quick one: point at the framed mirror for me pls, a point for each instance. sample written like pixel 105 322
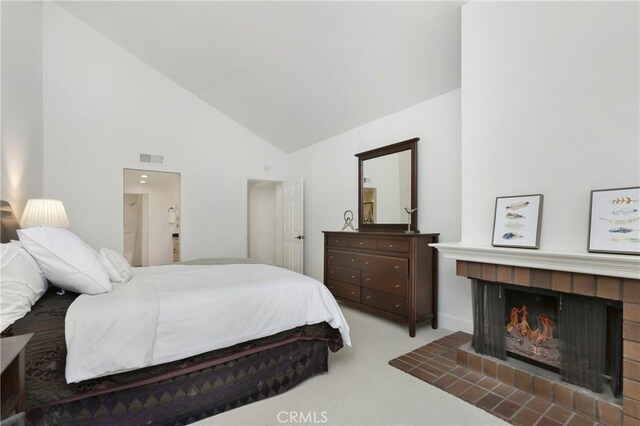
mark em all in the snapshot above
pixel 387 183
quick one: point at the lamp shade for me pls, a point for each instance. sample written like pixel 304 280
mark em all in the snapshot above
pixel 44 212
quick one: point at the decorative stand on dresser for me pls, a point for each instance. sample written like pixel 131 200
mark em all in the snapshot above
pixel 390 274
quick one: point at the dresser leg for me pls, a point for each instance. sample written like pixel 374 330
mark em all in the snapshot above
pixel 434 321
pixel 412 329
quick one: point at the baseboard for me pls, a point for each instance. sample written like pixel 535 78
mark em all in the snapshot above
pixel 453 323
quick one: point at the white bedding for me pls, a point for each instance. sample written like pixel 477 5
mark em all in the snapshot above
pixel 166 313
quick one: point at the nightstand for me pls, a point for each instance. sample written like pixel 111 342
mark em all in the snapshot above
pixel 12 378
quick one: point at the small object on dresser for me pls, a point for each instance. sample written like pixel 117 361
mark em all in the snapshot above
pixel 348 219
pixel 409 212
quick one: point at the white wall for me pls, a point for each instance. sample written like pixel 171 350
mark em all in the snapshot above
pixel 21 109
pixel 550 99
pixel 103 106
pixel 330 170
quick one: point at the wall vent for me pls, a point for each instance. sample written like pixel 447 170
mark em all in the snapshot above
pixel 149 158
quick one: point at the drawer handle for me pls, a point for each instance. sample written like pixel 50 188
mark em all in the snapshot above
pixel 366 263
pixel 368 297
pixel 390 245
pixel 353 292
pixel 353 276
pixel 398 305
pixel 331 272
pixel 397 285
pixel 361 243
pixel 353 260
pixel 368 279
pixel 330 257
pixel 396 267
pixel 336 241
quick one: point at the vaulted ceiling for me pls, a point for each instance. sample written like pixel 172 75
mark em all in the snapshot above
pixel 294 73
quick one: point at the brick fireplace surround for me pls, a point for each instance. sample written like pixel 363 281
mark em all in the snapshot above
pixel 619 282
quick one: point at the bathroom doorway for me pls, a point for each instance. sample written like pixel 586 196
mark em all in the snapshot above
pixel 151 217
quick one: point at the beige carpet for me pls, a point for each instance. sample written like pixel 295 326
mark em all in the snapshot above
pixel 361 387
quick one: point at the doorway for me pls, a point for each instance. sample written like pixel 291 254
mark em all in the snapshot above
pixel 151 217
pixel 265 223
pixel 275 222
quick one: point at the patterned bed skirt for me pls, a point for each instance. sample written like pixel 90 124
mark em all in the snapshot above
pixel 200 394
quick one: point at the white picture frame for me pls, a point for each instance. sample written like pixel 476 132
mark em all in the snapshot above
pixel 614 221
pixel 517 220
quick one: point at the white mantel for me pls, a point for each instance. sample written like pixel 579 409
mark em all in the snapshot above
pixel 586 263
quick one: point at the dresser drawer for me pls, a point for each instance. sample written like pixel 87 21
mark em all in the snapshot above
pixel 346 291
pixel 384 301
pixel 347 275
pixel 385 283
pixel 401 246
pixel 386 265
pixel 343 258
pixel 365 243
pixel 337 241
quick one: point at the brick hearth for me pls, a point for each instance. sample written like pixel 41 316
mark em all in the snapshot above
pixel 606 287
pixel 437 364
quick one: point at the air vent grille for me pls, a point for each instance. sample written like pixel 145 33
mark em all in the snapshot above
pixel 149 158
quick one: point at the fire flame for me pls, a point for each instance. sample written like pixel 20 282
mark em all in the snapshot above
pixel 518 324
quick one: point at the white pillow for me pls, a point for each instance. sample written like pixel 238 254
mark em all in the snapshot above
pixel 66 260
pixel 116 266
pixel 22 283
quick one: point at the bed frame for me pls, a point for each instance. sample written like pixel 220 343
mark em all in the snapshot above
pixel 175 393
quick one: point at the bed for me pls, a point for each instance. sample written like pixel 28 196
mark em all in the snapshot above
pixel 162 390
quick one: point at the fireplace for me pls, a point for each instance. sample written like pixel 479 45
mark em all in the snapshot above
pixel 531 321
pixel 613 279
pixel 578 337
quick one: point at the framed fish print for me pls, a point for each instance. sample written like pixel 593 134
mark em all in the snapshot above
pixel 516 222
pixel 614 221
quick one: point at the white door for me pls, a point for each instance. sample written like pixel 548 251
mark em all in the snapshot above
pixel 294 224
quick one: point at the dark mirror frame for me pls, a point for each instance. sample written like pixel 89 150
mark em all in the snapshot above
pixel 410 144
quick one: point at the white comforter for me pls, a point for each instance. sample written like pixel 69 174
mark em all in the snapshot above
pixel 166 313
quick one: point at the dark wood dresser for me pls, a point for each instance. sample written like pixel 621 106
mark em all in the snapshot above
pixel 390 274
